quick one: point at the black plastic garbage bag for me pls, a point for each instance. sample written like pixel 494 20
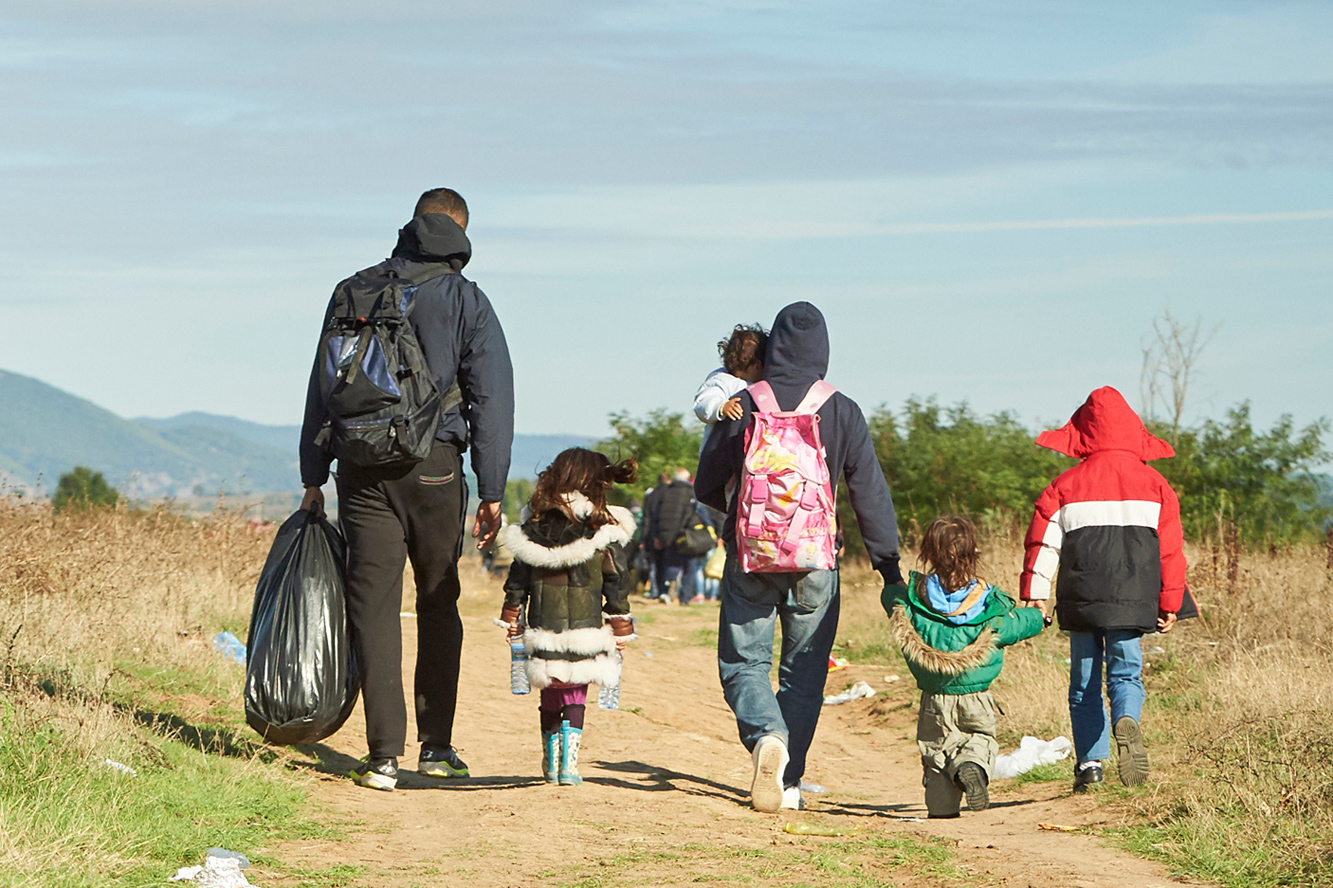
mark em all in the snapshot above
pixel 301 675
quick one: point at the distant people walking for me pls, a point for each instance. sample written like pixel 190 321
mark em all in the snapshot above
pixel 571 576
pixel 393 509
pixel 1111 524
pixel 652 554
pixel 778 729
pixel 670 510
pixel 952 628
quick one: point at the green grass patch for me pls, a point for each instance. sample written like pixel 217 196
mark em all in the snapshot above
pixel 1062 770
pixel 1236 851
pixel 69 820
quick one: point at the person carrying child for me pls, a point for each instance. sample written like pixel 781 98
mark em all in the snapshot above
pixel 742 364
pixel 1111 524
pixel 796 438
pixel 952 628
pixel 571 575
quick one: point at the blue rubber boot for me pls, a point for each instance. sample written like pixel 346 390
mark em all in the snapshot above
pixel 551 756
pixel 570 739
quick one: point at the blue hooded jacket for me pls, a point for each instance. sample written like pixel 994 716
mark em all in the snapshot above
pixel 798 354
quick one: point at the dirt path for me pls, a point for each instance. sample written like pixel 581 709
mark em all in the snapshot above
pixel 664 801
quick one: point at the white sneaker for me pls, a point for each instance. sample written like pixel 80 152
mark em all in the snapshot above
pixel 770 763
pixel 791 798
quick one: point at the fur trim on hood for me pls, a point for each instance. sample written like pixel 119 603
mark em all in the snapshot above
pixel 580 551
pixel 915 649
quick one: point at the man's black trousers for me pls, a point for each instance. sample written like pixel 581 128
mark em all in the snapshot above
pixel 389 514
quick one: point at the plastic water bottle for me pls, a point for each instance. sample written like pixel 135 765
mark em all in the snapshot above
pixel 230 647
pixel 518 671
pixel 608 696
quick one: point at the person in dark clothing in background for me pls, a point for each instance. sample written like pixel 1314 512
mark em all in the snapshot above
pixel 672 508
pixel 778 729
pixel 416 511
pixel 654 554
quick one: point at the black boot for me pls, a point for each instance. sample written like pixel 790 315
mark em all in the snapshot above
pixel 971 779
pixel 1087 778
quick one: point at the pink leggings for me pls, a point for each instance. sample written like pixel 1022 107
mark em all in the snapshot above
pixel 563 703
pixel 557 697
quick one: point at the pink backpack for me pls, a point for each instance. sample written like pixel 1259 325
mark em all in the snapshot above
pixel 786 517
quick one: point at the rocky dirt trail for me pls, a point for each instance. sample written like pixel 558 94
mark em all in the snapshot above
pixel 664 802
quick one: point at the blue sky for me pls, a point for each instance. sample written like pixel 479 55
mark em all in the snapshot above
pixel 989 201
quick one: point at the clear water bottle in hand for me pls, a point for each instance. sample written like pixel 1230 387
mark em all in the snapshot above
pixel 518 667
pixel 608 696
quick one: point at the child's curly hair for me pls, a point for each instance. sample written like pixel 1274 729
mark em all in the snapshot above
pixel 579 470
pixel 745 346
pixel 949 547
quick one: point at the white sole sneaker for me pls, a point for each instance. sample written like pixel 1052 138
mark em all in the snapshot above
pixel 374 780
pixel 770 762
pixel 791 799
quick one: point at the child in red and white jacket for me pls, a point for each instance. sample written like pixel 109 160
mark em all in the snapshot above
pixel 1111 524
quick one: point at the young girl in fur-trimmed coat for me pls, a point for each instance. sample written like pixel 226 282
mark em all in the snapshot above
pixel 952 628
pixel 570 573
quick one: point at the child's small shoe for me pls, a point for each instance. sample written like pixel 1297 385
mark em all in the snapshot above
pixel 1088 775
pixel 942 816
pixel 551 756
pixel 971 779
pixel 1133 756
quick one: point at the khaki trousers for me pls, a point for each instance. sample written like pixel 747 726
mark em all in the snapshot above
pixel 953 729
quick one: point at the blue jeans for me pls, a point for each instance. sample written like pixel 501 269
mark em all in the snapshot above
pixel 807 604
pixel 1120 650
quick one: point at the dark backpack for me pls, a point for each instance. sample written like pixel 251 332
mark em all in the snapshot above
pixel 383 406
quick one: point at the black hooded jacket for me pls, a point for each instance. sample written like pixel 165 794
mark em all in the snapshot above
pixel 462 340
pixel 798 353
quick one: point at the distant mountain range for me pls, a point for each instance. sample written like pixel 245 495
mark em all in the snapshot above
pixel 45 431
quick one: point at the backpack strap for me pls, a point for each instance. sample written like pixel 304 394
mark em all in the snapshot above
pixel 764 399
pixel 819 393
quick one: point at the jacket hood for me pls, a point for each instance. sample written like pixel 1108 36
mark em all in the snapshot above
pixel 997 603
pixel 433 237
pixel 1105 422
pixel 798 351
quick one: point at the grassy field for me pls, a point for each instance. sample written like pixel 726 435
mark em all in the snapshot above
pixel 106 621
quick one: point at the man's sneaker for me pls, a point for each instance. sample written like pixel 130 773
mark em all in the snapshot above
pixel 770 763
pixel 440 761
pixel 1133 756
pixel 791 798
pixel 1087 776
pixel 379 774
pixel 972 781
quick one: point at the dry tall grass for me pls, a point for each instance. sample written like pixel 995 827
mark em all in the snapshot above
pixel 95 607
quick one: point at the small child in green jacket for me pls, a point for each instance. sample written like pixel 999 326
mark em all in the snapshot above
pixel 952 628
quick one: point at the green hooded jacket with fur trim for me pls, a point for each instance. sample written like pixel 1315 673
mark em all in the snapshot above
pixel 950 658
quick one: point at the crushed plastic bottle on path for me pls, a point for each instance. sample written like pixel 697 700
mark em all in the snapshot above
pixel 230 647
pixel 217 872
pixel 855 692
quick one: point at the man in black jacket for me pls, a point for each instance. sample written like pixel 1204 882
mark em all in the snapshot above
pixel 778 729
pixel 392 513
pixel 672 506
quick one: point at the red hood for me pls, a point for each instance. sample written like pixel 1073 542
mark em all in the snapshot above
pixel 1105 422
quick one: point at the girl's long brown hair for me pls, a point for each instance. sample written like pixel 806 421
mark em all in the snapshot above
pixel 579 470
pixel 949 547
